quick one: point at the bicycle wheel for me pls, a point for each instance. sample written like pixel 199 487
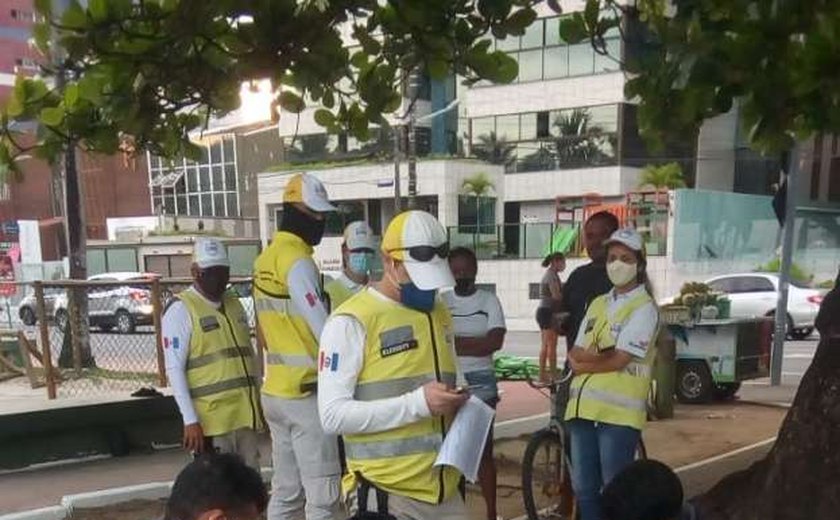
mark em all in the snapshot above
pixel 546 484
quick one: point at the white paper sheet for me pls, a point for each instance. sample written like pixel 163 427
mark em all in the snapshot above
pixel 464 442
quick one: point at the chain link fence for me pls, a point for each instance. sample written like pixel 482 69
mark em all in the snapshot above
pixel 116 353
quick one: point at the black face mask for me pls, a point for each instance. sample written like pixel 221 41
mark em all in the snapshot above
pixel 464 286
pixel 213 282
pixel 298 223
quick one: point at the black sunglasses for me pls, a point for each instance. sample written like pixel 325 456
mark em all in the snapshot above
pixel 425 253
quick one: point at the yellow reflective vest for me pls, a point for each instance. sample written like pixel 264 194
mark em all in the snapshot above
pixel 338 292
pixel 290 344
pixel 618 397
pixel 404 350
pixel 220 367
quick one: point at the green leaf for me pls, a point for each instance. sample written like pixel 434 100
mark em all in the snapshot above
pixel 90 88
pixel 14 105
pixel 359 59
pixel 291 102
pixel 519 21
pixel 43 7
pixel 41 35
pixel 98 10
pixel 328 100
pixel 74 16
pixel 573 30
pixel 506 68
pixel 324 117
pixel 369 44
pixel 52 116
pixel 71 95
pixel 438 69
pixel 169 6
pixel 590 13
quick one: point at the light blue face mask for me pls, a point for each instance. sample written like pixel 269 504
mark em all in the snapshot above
pixel 360 262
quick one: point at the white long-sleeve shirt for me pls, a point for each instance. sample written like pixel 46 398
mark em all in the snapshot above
pixel 305 292
pixel 343 344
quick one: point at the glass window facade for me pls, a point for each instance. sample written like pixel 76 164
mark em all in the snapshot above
pixel 558 139
pixel 542 54
pixel 206 188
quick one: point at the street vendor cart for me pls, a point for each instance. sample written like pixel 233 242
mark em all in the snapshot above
pixel 715 355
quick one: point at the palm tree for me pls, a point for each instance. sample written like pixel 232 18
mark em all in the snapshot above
pixel 478 186
pixel 577 143
pixel 663 177
pixel 494 149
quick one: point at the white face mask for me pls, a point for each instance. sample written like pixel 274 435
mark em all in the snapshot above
pixel 621 273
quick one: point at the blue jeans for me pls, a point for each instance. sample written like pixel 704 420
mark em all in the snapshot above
pixel 488 390
pixel 599 452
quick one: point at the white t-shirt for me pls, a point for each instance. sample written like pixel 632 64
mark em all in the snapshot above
pixel 341 360
pixel 637 333
pixel 474 316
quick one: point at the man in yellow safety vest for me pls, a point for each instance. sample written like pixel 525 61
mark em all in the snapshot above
pixel 210 360
pixel 357 252
pixel 291 313
pixel 387 375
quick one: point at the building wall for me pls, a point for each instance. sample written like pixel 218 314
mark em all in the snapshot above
pixel 256 151
pixel 15 53
pixel 608 181
pixel 716 153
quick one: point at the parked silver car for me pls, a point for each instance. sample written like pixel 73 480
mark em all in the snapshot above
pixel 28 307
pixel 121 307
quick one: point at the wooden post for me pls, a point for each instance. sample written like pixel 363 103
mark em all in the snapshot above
pixel 49 376
pixel 157 312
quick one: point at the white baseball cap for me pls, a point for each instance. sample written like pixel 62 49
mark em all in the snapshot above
pixel 308 190
pixel 628 237
pixel 358 235
pixel 413 229
pixel 210 252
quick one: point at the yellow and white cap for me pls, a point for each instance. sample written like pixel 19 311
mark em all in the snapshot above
pixel 412 229
pixel 210 252
pixel 309 191
pixel 358 235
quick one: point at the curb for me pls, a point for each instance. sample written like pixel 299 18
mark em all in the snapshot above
pixel 46 513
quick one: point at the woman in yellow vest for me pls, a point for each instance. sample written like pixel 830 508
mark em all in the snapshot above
pixel 612 360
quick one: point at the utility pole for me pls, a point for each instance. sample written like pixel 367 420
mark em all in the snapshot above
pixel 412 163
pixel 397 133
pixel 781 323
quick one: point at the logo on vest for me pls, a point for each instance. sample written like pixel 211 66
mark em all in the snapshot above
pixel 170 342
pixel 328 362
pixel 396 341
pixel 209 323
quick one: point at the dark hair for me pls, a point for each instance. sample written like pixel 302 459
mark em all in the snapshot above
pixel 608 218
pixel 645 490
pixel 464 252
pixel 216 481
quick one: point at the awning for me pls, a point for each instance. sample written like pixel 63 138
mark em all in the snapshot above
pixel 167 180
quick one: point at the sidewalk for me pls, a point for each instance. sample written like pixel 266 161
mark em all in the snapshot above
pixel 759 391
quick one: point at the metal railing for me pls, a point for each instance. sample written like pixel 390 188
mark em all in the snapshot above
pixel 119 351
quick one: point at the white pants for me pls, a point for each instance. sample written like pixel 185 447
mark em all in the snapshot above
pixel 243 442
pixel 404 508
pixel 307 472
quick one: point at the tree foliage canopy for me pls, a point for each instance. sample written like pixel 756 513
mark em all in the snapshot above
pixel 691 60
pixel 143 74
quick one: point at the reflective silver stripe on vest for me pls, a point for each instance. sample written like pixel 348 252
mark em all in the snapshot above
pixel 395 387
pixel 291 360
pixel 221 386
pixel 609 398
pixel 281 305
pixel 638 370
pixel 394 448
pixel 225 353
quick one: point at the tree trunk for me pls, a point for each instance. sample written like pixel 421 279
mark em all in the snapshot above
pixel 76 335
pixel 800 477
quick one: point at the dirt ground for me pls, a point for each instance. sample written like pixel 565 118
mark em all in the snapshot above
pixel 696 433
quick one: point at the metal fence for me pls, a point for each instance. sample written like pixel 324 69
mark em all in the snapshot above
pixel 118 352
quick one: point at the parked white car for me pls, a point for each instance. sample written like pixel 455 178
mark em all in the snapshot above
pixel 122 307
pixel 755 294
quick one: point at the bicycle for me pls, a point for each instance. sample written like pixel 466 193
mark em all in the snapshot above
pixel 547 487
